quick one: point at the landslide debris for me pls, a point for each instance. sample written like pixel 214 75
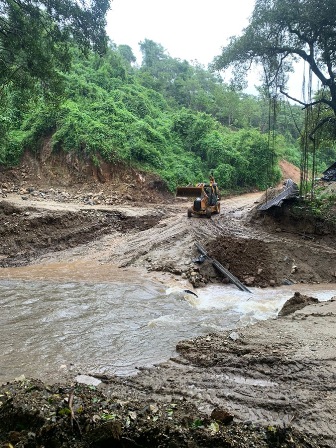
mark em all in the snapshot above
pixel 247 259
pixel 33 414
pixel 274 259
pixel 60 178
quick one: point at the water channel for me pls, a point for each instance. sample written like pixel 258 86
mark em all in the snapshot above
pixel 54 327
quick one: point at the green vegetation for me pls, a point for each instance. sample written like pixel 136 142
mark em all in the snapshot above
pixel 280 33
pixel 36 39
pixel 319 210
pixel 168 116
pixel 144 117
pixel 323 205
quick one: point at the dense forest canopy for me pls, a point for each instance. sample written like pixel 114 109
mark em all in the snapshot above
pixel 166 115
pixel 35 36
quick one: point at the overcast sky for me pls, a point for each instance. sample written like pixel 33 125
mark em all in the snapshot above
pixel 187 29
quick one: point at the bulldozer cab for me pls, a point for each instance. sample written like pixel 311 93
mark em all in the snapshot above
pixel 211 192
pixel 206 198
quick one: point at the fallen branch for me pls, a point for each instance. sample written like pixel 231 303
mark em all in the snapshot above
pixel 72 413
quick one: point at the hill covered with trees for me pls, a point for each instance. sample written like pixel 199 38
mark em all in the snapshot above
pixel 171 117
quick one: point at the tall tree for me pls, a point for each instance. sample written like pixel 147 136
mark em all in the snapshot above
pixel 34 37
pixel 127 53
pixel 152 52
pixel 282 32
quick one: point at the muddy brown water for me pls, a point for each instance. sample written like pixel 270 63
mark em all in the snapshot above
pixel 55 321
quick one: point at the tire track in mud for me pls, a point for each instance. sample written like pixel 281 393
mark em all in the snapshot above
pixel 153 240
pixel 171 243
pixel 174 237
pixel 271 374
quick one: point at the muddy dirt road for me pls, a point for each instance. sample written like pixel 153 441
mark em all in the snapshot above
pixel 275 372
pixel 159 237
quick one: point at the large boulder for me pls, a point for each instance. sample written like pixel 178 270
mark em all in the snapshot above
pixel 297 302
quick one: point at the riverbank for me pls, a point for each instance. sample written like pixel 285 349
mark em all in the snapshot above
pixel 266 385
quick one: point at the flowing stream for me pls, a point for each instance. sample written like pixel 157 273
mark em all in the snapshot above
pixel 53 328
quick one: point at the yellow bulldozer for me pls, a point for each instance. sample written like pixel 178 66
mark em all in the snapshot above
pixel 206 198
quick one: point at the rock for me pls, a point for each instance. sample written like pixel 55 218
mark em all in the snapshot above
pixel 294 269
pixel 14 437
pixel 234 336
pixel 153 408
pixel 88 380
pixel 222 415
pixel 195 281
pixel 285 281
pixel 249 281
pixel 20 378
pixel 297 302
pixel 272 283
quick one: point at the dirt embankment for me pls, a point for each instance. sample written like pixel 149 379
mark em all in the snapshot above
pixel 269 385
pixel 28 232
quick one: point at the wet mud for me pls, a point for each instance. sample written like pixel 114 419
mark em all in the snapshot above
pixel 266 385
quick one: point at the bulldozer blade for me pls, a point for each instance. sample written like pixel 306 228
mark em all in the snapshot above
pixel 189 192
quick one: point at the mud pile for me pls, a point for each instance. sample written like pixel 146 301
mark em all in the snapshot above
pixel 249 260
pixel 65 178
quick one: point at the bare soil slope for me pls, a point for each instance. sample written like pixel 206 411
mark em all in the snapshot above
pixel 289 171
